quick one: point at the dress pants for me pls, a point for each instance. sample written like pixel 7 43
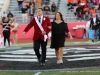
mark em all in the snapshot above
pixel 43 44
pixel 95 35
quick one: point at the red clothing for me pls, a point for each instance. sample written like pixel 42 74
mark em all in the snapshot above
pixel 37 32
pixel 14 31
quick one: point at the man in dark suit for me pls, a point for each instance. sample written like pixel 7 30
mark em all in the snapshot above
pixel 94 25
pixel 42 26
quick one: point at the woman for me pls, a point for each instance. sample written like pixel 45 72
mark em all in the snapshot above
pixel 59 28
pixel 14 29
pixel 10 15
pixel 6 30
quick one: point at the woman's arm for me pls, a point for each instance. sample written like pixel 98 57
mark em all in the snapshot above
pixel 16 27
pixel 67 31
pixel 69 34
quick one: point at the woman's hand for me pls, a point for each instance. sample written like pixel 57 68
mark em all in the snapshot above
pixel 71 37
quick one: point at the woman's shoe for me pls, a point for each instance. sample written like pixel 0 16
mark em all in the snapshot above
pixel 59 62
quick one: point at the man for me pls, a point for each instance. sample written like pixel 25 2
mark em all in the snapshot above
pixel 19 4
pixel 24 14
pixel 42 27
pixel 4 14
pixel 94 25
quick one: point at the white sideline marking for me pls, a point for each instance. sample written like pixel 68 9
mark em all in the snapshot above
pixel 84 58
pixel 82 55
pixel 37 73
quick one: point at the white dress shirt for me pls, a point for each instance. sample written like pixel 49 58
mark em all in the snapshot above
pixel 94 19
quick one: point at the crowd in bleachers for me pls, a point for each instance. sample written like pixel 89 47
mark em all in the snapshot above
pixel 28 8
pixel 84 9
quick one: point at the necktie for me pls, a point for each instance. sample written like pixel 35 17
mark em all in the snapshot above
pixel 39 19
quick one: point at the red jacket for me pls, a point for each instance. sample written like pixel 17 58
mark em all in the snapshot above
pixel 37 32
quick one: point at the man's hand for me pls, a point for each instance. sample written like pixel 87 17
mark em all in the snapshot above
pixel 23 33
pixel 71 37
pixel 94 24
pixel 49 27
pixel 43 33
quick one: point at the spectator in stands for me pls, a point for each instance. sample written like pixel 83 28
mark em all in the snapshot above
pixel 86 13
pixel 4 14
pixel 94 2
pixel 24 14
pixel 46 9
pixel 92 11
pixel 99 5
pixel 82 3
pixel 19 4
pixel 38 4
pixel 14 30
pixel 53 7
pixel 31 11
pixel 79 1
pixel 47 1
pixel 31 2
pixel 10 15
pixel 94 25
pixel 79 13
pixel 70 4
pixel 90 4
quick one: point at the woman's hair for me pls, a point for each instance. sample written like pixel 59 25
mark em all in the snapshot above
pixel 61 16
pixel 3 19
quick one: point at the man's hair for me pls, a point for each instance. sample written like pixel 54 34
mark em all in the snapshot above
pixel 41 9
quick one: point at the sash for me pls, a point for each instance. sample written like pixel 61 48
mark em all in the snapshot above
pixel 6 25
pixel 41 28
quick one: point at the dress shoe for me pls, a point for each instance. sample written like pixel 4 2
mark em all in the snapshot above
pixel 39 61
pixel 42 64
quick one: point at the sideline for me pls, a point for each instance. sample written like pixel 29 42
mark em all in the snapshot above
pixel 37 73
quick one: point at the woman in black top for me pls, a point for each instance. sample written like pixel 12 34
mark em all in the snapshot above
pixel 59 28
pixel 6 30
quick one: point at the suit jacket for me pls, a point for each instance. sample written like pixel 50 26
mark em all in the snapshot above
pixel 37 32
pixel 96 26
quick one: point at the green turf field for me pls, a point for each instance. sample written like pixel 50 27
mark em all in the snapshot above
pixel 93 71
pixel 66 44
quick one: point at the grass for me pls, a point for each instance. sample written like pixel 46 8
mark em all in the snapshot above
pixel 89 71
pixel 66 44
pixel 17 73
pixel 94 71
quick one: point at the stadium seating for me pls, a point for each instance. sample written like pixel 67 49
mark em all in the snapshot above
pixel 17 14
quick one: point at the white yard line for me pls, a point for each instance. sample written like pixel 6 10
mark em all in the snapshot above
pixel 38 73
pixel 84 58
